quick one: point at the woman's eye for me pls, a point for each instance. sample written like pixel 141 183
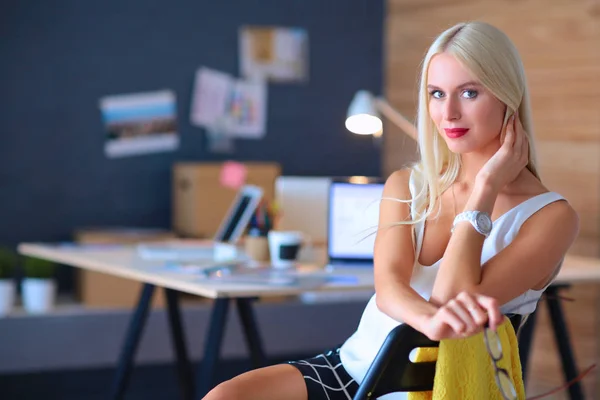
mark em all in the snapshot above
pixel 437 94
pixel 469 94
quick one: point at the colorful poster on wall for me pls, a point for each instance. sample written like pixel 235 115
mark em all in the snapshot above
pixel 140 123
pixel 246 109
pixel 276 54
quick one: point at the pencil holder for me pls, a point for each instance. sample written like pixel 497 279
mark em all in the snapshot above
pixel 257 248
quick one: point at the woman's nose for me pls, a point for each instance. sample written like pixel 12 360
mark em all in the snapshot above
pixel 451 109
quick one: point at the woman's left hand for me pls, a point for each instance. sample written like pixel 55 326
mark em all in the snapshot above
pixel 510 159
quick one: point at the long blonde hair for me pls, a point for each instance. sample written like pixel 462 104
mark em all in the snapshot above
pixel 494 60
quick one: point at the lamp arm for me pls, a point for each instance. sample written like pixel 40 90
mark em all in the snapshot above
pixel 396 118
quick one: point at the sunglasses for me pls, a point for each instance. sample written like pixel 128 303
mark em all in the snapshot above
pixel 503 380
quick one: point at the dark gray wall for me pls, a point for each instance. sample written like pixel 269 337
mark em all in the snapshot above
pixel 58 58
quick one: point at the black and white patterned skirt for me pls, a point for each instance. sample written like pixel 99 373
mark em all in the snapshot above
pixel 326 378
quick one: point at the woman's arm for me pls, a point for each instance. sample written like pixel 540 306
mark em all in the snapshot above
pixel 394 260
pixel 532 256
pixel 527 262
pixel 394 256
pixel 460 269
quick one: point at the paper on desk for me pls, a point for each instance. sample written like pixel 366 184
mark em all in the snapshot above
pixel 203 268
pixel 89 246
pixel 270 277
pixel 245 273
pixel 190 250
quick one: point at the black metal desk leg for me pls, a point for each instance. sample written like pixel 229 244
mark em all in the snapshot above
pixel 564 344
pixel 251 333
pixel 212 346
pixel 525 340
pixel 132 340
pixel 184 370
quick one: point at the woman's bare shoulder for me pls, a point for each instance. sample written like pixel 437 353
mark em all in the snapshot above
pixel 560 212
pixel 397 184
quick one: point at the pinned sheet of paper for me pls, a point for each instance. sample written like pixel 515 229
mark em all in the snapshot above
pixel 233 174
pixel 277 54
pixel 247 109
pixel 219 141
pixel 212 90
pixel 228 108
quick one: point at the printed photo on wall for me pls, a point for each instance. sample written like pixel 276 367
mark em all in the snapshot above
pixel 277 54
pixel 140 123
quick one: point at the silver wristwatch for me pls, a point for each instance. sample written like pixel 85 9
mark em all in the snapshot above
pixel 481 221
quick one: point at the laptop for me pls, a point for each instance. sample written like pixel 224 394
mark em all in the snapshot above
pixel 352 219
pixel 222 246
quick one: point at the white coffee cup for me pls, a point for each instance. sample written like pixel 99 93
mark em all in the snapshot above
pixel 284 247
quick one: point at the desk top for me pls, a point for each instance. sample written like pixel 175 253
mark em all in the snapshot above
pixel 123 261
pixel 579 269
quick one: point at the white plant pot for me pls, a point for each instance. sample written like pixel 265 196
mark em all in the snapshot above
pixel 39 295
pixel 7 296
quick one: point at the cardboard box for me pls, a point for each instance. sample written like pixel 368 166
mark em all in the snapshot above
pixel 97 290
pixel 200 202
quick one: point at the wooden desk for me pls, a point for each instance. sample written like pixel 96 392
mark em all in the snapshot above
pixel 123 261
pixel 579 269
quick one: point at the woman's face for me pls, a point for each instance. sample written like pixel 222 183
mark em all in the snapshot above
pixel 468 117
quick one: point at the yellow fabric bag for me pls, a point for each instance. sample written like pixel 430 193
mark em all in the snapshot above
pixel 465 371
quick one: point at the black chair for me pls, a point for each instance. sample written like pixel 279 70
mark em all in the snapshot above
pixel 392 370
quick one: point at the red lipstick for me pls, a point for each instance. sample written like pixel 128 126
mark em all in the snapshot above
pixel 454 133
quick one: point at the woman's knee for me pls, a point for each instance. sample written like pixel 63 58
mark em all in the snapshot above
pixel 225 391
pixel 269 383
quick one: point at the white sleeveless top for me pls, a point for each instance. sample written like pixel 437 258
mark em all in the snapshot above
pixel 359 351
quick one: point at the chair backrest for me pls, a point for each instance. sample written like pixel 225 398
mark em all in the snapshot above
pixel 393 371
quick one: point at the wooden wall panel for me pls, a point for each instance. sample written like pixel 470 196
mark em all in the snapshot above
pixel 559 41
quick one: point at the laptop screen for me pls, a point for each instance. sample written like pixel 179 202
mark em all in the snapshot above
pixel 352 220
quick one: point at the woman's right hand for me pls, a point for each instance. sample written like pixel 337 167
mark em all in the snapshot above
pixel 510 159
pixel 463 316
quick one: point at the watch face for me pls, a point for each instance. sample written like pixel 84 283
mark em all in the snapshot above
pixel 484 222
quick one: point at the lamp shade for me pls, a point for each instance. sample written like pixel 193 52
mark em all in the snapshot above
pixel 363 118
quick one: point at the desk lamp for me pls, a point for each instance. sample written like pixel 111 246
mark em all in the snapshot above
pixel 363 116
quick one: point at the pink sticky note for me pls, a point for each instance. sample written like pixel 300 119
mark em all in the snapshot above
pixel 233 174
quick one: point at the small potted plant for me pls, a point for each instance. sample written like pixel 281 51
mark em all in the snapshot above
pixel 7 282
pixel 39 285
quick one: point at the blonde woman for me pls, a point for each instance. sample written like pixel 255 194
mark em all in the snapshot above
pixel 467 233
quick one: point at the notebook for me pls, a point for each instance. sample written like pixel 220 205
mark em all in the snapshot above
pixel 352 219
